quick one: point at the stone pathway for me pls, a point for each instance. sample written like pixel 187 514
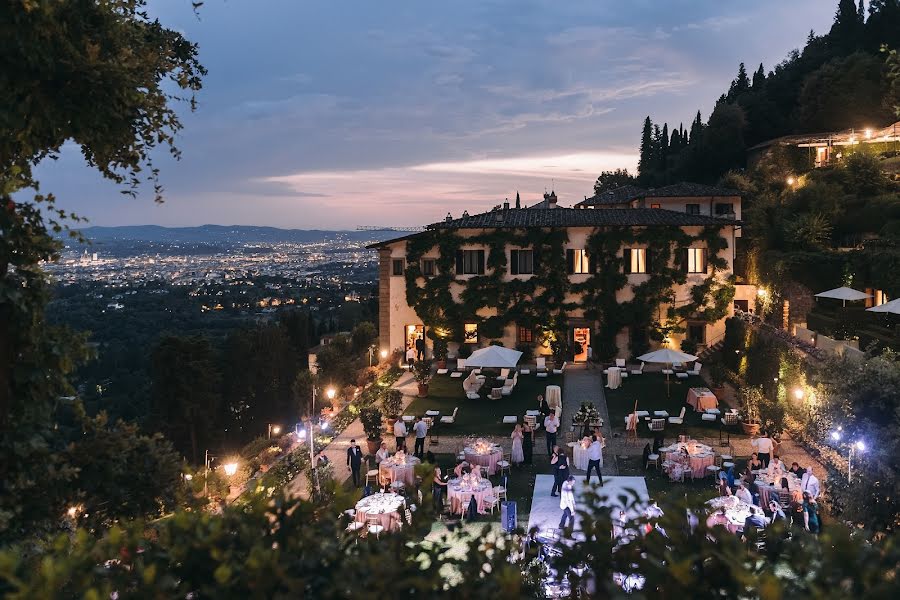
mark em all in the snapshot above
pixel 336 451
pixel 585 384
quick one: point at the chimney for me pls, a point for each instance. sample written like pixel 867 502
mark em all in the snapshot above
pixel 551 199
pixel 506 204
pixel 449 218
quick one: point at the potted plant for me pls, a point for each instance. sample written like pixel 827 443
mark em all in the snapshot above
pixel 717 376
pixel 689 346
pixel 392 403
pixel 750 398
pixel 422 374
pixel 440 352
pixel 371 422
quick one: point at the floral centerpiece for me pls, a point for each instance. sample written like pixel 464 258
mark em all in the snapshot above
pixel 482 446
pixel 586 414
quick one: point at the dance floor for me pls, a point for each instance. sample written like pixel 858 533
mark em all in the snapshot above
pixel 545 511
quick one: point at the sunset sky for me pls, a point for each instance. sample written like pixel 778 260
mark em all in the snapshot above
pixel 332 114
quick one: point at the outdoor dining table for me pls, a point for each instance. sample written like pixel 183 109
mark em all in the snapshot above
pixel 579 455
pixel 614 378
pixel 459 493
pixel 768 488
pixel 386 506
pixel 487 457
pixel 736 511
pixel 392 469
pixel 701 398
pixel 699 456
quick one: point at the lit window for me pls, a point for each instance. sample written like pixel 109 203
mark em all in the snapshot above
pixel 635 260
pixel 578 261
pixel 526 335
pixel 521 262
pixel 428 269
pixel 655 206
pixel 470 333
pixel 696 260
pixel 397 266
pixel 692 209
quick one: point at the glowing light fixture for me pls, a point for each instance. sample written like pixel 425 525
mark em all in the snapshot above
pixel 230 468
pixel 799 393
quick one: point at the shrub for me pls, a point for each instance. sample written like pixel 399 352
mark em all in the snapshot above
pixel 527 351
pixel 689 346
pixel 440 349
pixel 421 372
pixel 392 402
pixel 465 350
pixel 371 419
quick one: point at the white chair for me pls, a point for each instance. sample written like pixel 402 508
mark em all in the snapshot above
pixel 456 374
pixel 709 417
pixel 541 363
pixel 473 395
pixel 533 413
pixel 560 370
pixel 713 470
pixel 696 370
pixel 652 459
pixel 500 492
pixel 476 371
pixel 713 411
pixel 667 371
pixel 510 419
pixel 657 425
pixel 504 375
pixel 354 526
pixel 432 413
pixel 681 374
pixel 509 385
pixel 642 413
pixel 638 371
pixel 542 374
pixel 661 413
pixel 491 502
pixel 450 419
pixel 460 364
pixel 374 526
pixel 525 371
pixel 496 393
pixel 408 418
pixel 620 362
pixel 443 371
pixel 679 420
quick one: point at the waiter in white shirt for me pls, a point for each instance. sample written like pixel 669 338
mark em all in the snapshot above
pixel 400 434
pixel 551 424
pixel 763 445
pixel 420 429
pixel 595 459
pixel 810 483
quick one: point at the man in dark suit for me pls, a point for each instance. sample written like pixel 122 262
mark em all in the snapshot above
pixel 420 348
pixel 354 461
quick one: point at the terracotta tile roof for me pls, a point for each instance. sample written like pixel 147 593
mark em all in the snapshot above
pixel 619 195
pixel 687 189
pixel 571 217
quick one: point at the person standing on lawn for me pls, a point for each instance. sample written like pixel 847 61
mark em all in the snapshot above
pixel 551 425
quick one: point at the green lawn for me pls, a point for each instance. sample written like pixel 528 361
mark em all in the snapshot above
pixel 649 390
pixel 483 416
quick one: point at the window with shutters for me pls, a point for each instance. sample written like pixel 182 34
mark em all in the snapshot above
pixel 428 267
pixel 724 208
pixel 696 260
pixel 526 335
pixel 635 260
pixel 692 209
pixel 397 266
pixel 696 332
pixel 578 262
pixel 470 262
pixel 521 262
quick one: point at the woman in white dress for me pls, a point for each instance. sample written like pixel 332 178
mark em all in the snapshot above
pixel 517 457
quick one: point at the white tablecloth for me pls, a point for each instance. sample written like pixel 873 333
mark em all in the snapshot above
pixel 768 489
pixel 485 459
pixel 553 394
pixel 579 456
pixel 614 378
pixel 699 457
pixel 459 495
pixel 385 506
pixel 736 511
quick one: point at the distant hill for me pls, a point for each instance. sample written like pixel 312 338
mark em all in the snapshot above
pixel 228 234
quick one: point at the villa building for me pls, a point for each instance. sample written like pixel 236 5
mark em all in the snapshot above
pixel 642 266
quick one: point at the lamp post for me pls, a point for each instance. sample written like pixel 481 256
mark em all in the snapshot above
pixel 858 446
pixel 311 428
pixel 273 430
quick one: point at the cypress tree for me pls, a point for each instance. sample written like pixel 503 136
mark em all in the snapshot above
pixel 696 130
pixel 740 85
pixel 663 148
pixel 759 78
pixel 645 160
pixel 861 13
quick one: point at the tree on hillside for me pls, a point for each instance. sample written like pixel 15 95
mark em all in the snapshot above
pixel 646 158
pixel 846 32
pixel 102 76
pixel 185 394
pixel 740 85
pixel 723 139
pixel 759 78
pixel 610 180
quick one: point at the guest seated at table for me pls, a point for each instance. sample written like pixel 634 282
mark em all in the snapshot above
pixel 754 490
pixel 776 468
pixel 382 453
pixel 784 493
pixel 754 464
pixel 729 476
pixel 797 470
pixel 754 521
pixel 724 488
pixel 743 494
pixel 776 513
pixel 461 469
pixel 717 518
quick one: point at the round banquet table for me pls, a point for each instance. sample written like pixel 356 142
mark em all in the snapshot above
pixel 385 506
pixel 459 495
pixel 614 378
pixel 768 488
pixel 700 456
pixel 553 394
pixel 579 456
pixel 735 510
pixel 482 459
pixel 390 470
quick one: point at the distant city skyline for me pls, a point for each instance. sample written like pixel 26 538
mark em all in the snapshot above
pixel 332 115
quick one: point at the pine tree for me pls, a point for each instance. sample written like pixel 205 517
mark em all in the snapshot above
pixel 645 160
pixel 740 85
pixel 847 27
pixel 759 78
pixel 696 130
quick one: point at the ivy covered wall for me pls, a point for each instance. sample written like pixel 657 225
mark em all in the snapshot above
pixel 548 299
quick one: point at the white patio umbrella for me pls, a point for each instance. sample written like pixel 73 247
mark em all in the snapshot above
pixel 667 356
pixel 494 357
pixel 844 293
pixel 892 307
